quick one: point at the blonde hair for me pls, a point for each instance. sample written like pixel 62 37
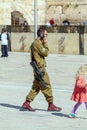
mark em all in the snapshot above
pixel 81 71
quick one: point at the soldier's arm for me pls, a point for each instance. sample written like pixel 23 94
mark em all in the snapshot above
pixel 42 49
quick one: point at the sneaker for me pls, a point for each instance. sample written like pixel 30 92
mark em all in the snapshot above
pixel 72 115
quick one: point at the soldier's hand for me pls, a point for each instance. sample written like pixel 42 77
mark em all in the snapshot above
pixel 45 40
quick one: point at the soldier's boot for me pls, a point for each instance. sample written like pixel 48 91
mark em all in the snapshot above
pixel 52 107
pixel 26 105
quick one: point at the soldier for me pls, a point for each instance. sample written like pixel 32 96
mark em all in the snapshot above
pixel 40 50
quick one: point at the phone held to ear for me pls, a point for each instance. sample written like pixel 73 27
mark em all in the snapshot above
pixel 42 37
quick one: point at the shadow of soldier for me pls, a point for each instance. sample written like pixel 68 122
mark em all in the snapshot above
pixel 9 105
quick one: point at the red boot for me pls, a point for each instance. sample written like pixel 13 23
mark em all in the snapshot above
pixel 26 105
pixel 52 107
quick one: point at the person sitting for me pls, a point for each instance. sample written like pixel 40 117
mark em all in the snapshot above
pixel 66 22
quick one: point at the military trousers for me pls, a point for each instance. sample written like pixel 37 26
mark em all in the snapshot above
pixel 37 87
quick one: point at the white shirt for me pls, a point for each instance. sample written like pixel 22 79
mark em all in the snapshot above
pixel 4 40
pixel 48 24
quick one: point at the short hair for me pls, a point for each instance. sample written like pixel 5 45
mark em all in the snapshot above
pixel 4 30
pixel 40 31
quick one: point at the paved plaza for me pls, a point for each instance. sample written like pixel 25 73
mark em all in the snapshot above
pixel 16 76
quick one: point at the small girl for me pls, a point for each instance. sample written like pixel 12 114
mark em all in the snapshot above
pixel 79 94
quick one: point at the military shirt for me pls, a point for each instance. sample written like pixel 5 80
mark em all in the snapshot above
pixel 40 51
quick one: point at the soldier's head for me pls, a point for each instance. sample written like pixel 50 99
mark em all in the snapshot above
pixel 42 32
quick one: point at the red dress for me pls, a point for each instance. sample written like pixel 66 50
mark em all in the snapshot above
pixel 80 91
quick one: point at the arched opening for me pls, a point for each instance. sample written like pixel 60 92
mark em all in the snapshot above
pixel 18 22
pixel 16 18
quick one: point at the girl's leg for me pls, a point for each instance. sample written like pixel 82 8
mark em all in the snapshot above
pixel 76 107
pixel 72 114
pixel 86 105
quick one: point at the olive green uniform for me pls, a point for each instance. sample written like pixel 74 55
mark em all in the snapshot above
pixel 40 51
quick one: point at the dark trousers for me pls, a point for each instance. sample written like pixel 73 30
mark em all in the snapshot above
pixel 4 50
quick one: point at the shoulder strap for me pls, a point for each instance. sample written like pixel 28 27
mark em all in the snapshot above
pixel 32 55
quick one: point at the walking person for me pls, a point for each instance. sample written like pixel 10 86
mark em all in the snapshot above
pixel 4 43
pixel 39 50
pixel 79 94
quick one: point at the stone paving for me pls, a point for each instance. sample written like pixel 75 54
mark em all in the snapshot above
pixel 16 77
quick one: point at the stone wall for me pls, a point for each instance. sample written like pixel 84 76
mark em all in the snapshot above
pixel 57 9
pixel 25 7
pixel 74 10
pixel 5 13
pixel 61 43
pixel 21 41
pixel 67 43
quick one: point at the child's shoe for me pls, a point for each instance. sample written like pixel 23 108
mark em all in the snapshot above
pixel 71 115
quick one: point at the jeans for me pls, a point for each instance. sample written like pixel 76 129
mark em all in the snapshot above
pixel 4 49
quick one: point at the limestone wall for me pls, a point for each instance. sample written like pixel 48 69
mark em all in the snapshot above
pixel 61 43
pixel 74 10
pixel 5 13
pixel 25 7
pixel 21 41
pixel 57 42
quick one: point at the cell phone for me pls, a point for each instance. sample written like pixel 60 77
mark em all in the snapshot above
pixel 42 37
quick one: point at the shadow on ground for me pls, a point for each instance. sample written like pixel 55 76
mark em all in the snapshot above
pixel 21 109
pixel 9 105
pixel 66 115
pixel 60 114
pixel 17 107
